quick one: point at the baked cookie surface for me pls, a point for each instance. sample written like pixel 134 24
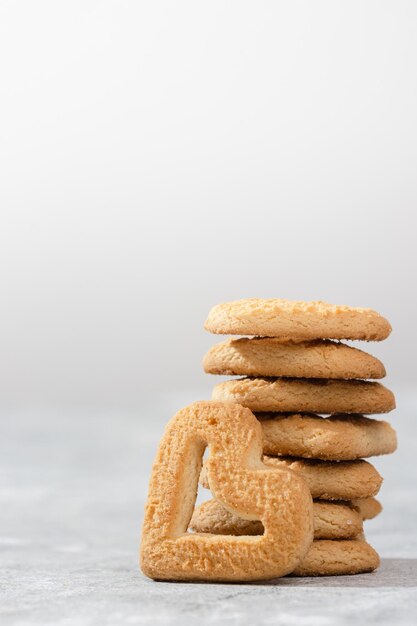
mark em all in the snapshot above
pixel 312 396
pixel 296 320
pixel 367 507
pixel 338 557
pixel 327 480
pixel 334 438
pixel 330 480
pixel 263 356
pixel 239 478
pixel 332 520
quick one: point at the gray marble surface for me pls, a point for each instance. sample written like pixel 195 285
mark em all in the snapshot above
pixel 72 489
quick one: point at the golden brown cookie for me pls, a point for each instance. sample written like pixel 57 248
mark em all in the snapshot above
pixel 312 396
pixel 296 320
pixel 338 557
pixel 267 356
pixel 332 520
pixel 367 507
pixel 334 438
pixel 241 482
pixel 328 480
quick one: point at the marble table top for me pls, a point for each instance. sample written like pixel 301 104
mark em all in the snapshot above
pixel 72 490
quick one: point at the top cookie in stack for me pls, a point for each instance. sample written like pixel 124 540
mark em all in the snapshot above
pixel 297 320
pixel 295 367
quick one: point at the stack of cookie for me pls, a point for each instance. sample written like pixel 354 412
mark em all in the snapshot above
pixel 310 393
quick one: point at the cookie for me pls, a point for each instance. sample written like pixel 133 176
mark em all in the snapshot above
pixel 263 356
pixel 239 480
pixel 334 438
pixel 332 520
pixel 296 320
pixel 328 480
pixel 312 396
pixel 367 507
pixel 338 557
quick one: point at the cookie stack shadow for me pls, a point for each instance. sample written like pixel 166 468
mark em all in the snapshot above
pixel 310 393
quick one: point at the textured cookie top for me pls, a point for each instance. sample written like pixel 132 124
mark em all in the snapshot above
pixel 300 395
pixel 334 438
pixel 331 480
pixel 296 320
pixel 271 356
pixel 240 480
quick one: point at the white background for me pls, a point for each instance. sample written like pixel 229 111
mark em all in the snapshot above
pixel 159 157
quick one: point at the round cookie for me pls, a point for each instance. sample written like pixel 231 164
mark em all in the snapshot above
pixel 299 320
pixel 334 438
pixel 367 507
pixel 332 520
pixel 312 396
pixel 338 557
pixel 328 480
pixel 267 356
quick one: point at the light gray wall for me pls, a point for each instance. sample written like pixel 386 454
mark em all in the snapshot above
pixel 159 157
